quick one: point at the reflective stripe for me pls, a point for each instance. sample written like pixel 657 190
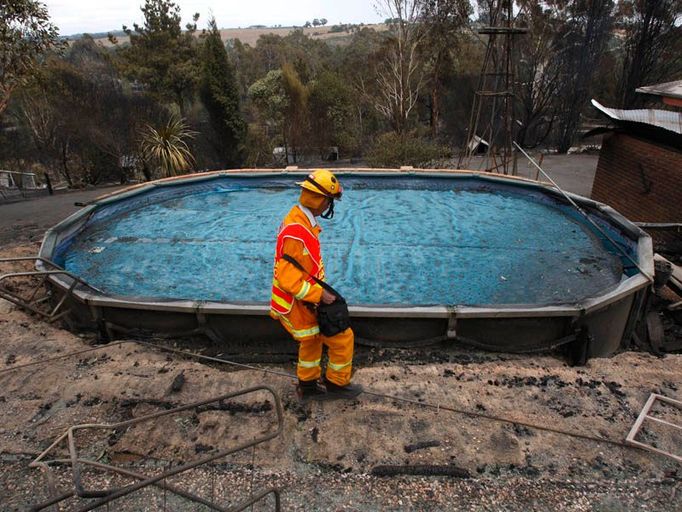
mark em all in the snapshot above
pixel 298 333
pixel 304 333
pixel 308 364
pixel 338 367
pixel 305 288
pixel 281 302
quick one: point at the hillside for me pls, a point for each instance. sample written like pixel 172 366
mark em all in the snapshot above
pixel 250 35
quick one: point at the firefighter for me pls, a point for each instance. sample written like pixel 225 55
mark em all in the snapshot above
pixel 295 293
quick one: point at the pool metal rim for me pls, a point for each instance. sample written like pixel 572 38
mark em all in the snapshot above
pixel 624 288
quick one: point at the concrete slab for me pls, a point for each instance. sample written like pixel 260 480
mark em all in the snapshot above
pixel 573 173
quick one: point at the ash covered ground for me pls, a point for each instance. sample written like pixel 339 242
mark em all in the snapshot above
pixel 328 453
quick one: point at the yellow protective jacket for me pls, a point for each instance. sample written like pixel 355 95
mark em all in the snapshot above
pixel 292 288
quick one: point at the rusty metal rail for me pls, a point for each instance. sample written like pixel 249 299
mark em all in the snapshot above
pixel 108 495
pixel 31 303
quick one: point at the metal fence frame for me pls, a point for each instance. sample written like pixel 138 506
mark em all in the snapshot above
pixel 107 495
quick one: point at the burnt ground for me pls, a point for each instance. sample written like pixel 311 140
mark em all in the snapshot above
pixel 329 455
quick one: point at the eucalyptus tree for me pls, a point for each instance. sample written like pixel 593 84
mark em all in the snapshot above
pixel 357 63
pixel 443 21
pixel 400 74
pixel 332 114
pixel 539 72
pixel 652 45
pixel 81 116
pixel 584 29
pixel 26 34
pixel 281 102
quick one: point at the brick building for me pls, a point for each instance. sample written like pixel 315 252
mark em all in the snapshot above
pixel 639 172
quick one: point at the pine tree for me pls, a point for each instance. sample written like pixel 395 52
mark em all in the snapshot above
pixel 220 96
pixel 161 56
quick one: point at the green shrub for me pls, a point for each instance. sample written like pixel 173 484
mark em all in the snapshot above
pixel 257 148
pixel 394 150
pixel 339 28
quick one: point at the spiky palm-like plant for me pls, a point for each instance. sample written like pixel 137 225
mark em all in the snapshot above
pixel 167 147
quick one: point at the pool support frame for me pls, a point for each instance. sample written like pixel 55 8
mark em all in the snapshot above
pixel 608 319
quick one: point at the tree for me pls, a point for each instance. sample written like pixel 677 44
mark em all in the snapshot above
pixel 358 62
pixel 26 34
pixel 400 75
pixel 332 120
pixel 538 73
pixel 296 114
pixel 269 97
pixel 585 28
pixel 652 45
pixel 161 55
pixel 39 116
pixel 166 146
pixel 316 22
pixel 81 116
pixel 442 20
pixel 323 21
pixel 220 96
pixel 282 103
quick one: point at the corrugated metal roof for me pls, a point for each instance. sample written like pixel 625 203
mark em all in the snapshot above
pixel 665 119
pixel 667 89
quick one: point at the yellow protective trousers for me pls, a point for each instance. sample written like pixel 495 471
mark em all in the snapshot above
pixel 301 323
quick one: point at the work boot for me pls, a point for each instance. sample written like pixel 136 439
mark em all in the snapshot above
pixel 310 390
pixel 347 392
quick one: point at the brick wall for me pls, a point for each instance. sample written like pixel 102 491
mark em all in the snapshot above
pixel 650 193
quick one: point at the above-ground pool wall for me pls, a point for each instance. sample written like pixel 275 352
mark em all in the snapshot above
pixel 609 319
pixel 609 328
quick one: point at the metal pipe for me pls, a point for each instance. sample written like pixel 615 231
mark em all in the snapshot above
pixel 659 225
pixel 584 214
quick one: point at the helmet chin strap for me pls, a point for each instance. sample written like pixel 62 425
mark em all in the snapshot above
pixel 329 213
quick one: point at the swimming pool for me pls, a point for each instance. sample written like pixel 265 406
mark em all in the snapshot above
pixel 421 246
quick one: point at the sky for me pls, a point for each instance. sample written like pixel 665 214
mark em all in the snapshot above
pixel 76 16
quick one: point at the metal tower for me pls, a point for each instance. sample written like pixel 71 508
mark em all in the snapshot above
pixel 491 124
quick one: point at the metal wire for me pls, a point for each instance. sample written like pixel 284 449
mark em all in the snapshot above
pixel 428 405
pixel 584 214
pixel 437 407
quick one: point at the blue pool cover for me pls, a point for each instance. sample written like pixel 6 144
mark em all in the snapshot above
pixel 394 240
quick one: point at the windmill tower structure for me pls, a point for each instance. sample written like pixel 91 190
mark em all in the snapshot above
pixel 491 123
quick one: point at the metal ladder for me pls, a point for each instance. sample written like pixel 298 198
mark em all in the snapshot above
pixel 39 305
